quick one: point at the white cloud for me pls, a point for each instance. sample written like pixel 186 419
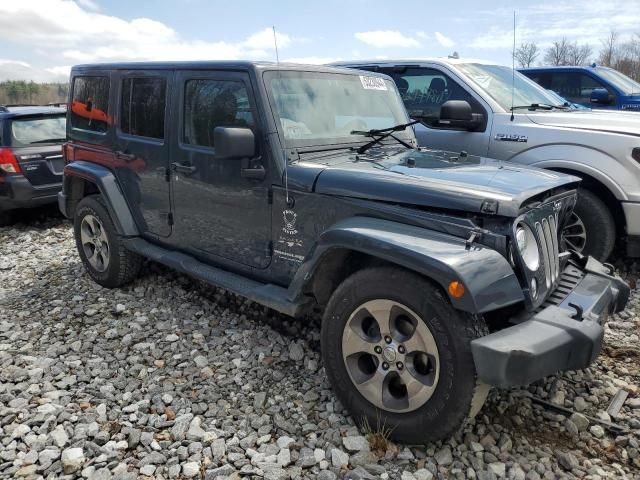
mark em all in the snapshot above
pixel 444 40
pixel 55 29
pixel 89 4
pixel 313 60
pixel 422 35
pixel 386 38
pixel 18 70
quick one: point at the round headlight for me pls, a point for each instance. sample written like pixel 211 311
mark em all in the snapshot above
pixel 528 247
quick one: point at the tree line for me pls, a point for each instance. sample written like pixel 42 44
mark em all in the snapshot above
pixel 614 52
pixel 22 92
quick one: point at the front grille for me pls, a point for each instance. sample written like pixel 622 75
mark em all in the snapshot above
pixel 547 230
pixel 569 279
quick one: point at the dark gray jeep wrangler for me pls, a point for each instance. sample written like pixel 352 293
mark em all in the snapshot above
pixel 301 188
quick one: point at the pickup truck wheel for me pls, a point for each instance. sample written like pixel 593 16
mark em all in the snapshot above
pixel 398 355
pixel 590 229
pixel 100 248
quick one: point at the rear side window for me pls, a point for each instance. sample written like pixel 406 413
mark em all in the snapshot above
pixel 90 104
pixel 38 130
pixel 214 103
pixel 143 106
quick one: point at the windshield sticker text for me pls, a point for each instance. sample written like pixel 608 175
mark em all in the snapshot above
pixel 373 83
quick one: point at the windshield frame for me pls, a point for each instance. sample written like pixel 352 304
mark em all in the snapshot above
pixel 545 98
pixel 347 141
pixel 16 142
pixel 617 79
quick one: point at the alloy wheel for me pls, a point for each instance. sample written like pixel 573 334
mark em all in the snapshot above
pixel 95 243
pixel 574 233
pixel 390 355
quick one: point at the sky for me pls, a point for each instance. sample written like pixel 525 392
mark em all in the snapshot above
pixel 41 39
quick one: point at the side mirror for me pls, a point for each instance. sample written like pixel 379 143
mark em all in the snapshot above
pixel 601 96
pixel 232 142
pixel 457 114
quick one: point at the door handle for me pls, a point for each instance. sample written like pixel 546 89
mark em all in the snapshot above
pixel 125 156
pixel 254 173
pixel 179 167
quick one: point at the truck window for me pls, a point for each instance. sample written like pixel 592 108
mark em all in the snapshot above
pixel 142 107
pixel 424 90
pixel 213 103
pixel 575 87
pixel 90 104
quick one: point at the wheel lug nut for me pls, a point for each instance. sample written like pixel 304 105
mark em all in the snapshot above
pixel 401 349
pixel 378 349
pixel 399 365
pixel 388 339
pixel 385 366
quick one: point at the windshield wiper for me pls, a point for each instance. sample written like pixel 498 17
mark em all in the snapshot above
pixel 50 140
pixel 538 106
pixel 379 134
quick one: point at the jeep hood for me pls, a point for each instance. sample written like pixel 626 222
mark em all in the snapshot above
pixel 442 180
pixel 595 120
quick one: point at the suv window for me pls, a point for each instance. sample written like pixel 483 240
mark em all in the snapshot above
pixel 213 103
pixel 90 104
pixel 30 130
pixel 142 107
pixel 424 90
pixel 575 87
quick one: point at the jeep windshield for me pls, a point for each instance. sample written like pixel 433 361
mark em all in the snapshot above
pixel 322 108
pixel 498 82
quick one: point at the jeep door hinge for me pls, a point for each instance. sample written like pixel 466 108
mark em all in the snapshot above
pixel 270 197
pixel 170 218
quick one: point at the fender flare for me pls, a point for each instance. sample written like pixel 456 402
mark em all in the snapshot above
pixel 107 184
pixel 490 282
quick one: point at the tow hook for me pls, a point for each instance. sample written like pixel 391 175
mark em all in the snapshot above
pixel 579 311
pixel 609 267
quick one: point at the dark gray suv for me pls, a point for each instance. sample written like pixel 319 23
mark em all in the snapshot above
pixel 30 157
pixel 438 275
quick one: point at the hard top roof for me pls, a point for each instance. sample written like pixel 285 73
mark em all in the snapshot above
pixel 566 67
pixel 413 61
pixel 25 110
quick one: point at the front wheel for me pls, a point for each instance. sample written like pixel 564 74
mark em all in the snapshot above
pixel 398 355
pixel 591 229
pixel 101 250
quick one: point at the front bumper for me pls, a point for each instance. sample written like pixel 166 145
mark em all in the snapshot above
pixel 566 334
pixel 16 191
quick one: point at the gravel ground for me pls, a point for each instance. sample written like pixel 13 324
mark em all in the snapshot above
pixel 169 378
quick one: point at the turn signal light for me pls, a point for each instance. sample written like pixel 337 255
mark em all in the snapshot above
pixel 456 289
pixel 8 161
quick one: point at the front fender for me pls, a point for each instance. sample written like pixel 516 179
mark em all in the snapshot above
pixel 107 184
pixel 489 280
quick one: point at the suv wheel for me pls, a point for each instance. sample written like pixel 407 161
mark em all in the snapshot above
pixel 591 229
pixel 398 355
pixel 100 248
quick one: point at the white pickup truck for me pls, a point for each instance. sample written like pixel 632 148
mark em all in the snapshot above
pixel 491 112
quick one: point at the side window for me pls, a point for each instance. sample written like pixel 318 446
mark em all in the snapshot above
pixel 142 106
pixel 424 90
pixel 90 104
pixel 214 103
pixel 575 87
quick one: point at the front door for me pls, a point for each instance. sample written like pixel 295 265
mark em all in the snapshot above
pixel 423 92
pixel 142 152
pixel 218 213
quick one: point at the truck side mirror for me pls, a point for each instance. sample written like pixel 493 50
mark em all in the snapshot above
pixel 233 142
pixel 601 96
pixel 457 114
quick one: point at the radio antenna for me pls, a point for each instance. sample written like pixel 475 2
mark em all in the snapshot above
pixel 286 158
pixel 513 64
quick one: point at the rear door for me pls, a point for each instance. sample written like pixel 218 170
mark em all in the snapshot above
pixel 218 212
pixel 36 143
pixel 142 147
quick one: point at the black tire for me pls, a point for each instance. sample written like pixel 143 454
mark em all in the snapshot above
pixel 6 218
pixel 457 395
pixel 123 265
pixel 599 226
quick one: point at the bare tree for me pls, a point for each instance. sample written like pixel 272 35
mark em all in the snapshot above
pixel 526 54
pixel 557 53
pixel 609 50
pixel 578 54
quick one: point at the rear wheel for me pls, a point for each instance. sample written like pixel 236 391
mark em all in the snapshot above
pixel 100 248
pixel 591 229
pixel 398 355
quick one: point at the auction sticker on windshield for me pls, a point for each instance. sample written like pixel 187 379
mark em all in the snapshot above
pixel 373 83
